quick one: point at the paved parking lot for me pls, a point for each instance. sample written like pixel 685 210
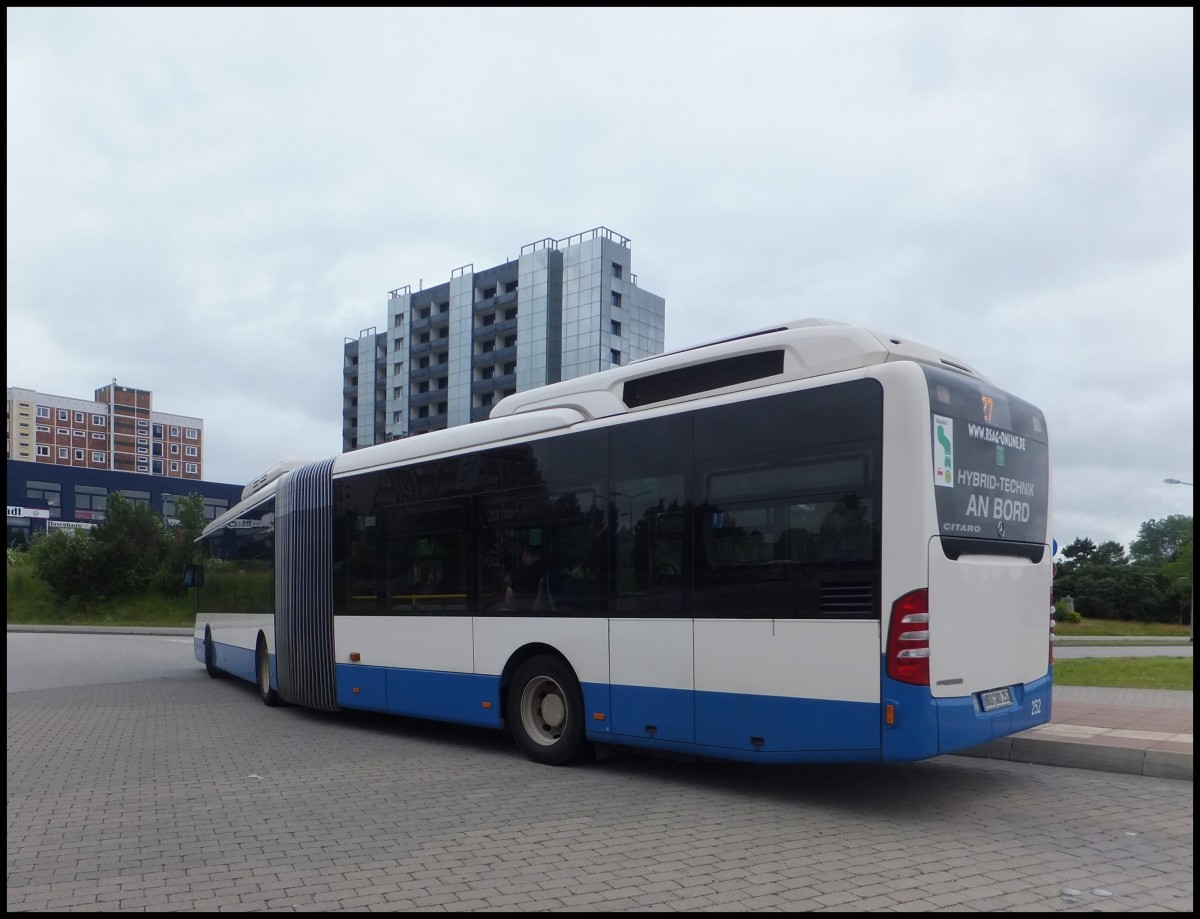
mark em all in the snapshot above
pixel 181 793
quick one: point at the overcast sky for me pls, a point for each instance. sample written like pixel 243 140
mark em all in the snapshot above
pixel 207 203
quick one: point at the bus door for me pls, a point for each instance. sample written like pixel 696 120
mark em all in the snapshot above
pixel 650 634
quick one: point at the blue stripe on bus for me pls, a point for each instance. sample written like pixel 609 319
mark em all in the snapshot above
pixel 238 662
pixel 440 695
pixel 804 730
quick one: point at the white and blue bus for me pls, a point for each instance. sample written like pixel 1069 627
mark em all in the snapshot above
pixel 812 543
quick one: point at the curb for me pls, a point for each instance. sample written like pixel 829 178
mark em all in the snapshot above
pixel 1160 764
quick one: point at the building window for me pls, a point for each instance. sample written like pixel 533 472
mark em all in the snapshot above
pixel 136 497
pixel 50 492
pixel 158 431
pixel 63 414
pixel 79 456
pixel 616 328
pixel 397 368
pixel 158 470
pixel 617 270
pixel 174 466
pixel 90 497
pixel 510 287
pixel 79 417
pixel 395 417
pixel 146 450
pixel 192 451
pixel 615 356
pixel 174 431
pixel 64 453
pixel 174 449
pixel 43 428
pixel 97 436
pixel 97 457
pixel 191 468
pixel 43 451
pixel 64 432
pixel 143 424
pixel 141 440
pixel 616 298
pixel 98 421
pixel 399 320
pixel 43 411
pixel 80 434
pixel 191 434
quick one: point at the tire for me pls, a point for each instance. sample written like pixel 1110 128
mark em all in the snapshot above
pixel 545 712
pixel 210 656
pixel 262 674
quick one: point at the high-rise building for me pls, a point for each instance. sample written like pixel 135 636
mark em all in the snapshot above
pixel 565 308
pixel 118 430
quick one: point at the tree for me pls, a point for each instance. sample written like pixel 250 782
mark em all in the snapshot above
pixel 1159 541
pixel 131 547
pixel 181 543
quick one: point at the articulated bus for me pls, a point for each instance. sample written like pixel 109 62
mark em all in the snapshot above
pixel 811 543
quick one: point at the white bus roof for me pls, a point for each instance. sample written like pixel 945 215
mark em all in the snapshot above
pixel 798 350
pixel 811 347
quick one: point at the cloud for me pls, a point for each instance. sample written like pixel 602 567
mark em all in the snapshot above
pixel 207 202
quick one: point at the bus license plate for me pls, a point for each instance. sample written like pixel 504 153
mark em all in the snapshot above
pixel 995 698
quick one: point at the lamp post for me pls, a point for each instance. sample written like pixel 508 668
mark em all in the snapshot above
pixel 1191 575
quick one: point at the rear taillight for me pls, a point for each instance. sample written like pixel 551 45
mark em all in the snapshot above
pixel 1052 624
pixel 908 639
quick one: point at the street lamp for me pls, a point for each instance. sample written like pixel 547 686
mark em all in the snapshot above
pixel 1191 578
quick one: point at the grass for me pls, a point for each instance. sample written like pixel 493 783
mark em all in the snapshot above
pixel 1086 628
pixel 1125 672
pixel 30 602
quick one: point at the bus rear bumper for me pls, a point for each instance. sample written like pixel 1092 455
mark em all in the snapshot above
pixel 926 727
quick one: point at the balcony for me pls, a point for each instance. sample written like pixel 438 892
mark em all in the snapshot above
pixel 501 381
pixel 495 356
pixel 496 328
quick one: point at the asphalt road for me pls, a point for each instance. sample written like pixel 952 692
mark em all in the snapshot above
pixel 135 782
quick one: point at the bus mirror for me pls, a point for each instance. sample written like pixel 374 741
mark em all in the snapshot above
pixel 193 576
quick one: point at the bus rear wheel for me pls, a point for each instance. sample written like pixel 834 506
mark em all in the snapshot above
pixel 545 712
pixel 262 672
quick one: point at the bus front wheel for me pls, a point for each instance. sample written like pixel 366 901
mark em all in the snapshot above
pixel 545 712
pixel 210 655
pixel 262 671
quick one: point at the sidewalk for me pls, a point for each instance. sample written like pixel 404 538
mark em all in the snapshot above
pixel 1132 731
